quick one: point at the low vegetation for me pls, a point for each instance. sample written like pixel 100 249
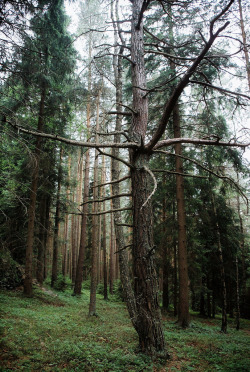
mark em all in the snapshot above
pixel 52 332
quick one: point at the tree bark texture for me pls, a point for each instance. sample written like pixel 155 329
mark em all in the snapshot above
pixel 149 323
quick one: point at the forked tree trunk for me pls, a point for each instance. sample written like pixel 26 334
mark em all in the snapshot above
pixel 32 204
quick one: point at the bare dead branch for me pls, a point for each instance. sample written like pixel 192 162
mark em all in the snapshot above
pixel 122 249
pixel 74 142
pixel 178 173
pixel 119 113
pixel 110 211
pixel 115 181
pixel 107 198
pixel 198 141
pixel 115 157
pixel 124 224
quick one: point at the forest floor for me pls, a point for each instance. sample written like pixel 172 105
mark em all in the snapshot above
pixel 52 332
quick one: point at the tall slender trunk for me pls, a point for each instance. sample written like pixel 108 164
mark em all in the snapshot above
pixel 83 237
pixel 183 311
pixel 73 241
pixel 66 227
pixel 32 204
pixel 175 271
pixel 111 257
pixel 237 295
pixel 222 271
pixel 165 258
pixel 43 231
pixel 115 175
pixel 57 221
pixel 95 223
pixel 104 235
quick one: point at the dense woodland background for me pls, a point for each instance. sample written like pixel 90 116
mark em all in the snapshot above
pixel 77 112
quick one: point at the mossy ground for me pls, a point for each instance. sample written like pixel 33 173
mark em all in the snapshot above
pixel 52 332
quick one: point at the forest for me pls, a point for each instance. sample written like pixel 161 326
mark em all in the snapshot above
pixel 124 185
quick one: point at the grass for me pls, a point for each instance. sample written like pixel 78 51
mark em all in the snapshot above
pixel 52 332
